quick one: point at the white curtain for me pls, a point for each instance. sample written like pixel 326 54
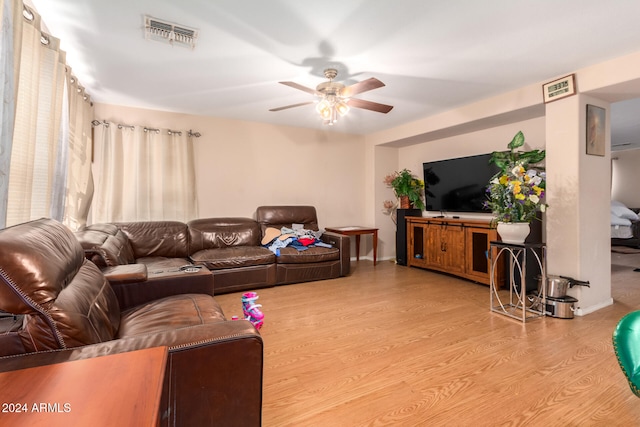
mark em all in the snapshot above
pixel 49 171
pixel 143 175
pixel 10 47
pixel 77 136
pixel 37 125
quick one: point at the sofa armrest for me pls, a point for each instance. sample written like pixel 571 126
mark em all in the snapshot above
pixel 213 374
pixel 127 273
pixel 161 284
pixel 105 245
pixel 343 243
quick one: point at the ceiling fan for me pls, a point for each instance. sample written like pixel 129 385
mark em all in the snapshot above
pixel 336 98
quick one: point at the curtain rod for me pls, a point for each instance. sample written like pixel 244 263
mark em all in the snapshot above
pixel 191 133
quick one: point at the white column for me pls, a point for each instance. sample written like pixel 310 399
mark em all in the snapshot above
pixel 579 193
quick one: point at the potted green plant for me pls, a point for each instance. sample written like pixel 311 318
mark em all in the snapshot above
pixel 407 187
pixel 517 192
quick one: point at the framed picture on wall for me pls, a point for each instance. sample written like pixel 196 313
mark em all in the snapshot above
pixel 596 117
pixel 560 88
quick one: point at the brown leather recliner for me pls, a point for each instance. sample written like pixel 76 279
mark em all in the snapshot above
pixel 70 312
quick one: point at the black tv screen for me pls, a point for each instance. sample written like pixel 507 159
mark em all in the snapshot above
pixel 458 185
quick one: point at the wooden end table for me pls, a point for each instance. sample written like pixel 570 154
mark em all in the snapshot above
pixel 358 231
pixel 116 390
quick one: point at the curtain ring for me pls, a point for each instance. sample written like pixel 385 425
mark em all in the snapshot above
pixel 27 14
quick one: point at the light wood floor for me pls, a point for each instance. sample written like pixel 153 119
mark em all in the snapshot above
pixel 399 346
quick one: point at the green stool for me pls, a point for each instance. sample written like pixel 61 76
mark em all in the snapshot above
pixel 626 343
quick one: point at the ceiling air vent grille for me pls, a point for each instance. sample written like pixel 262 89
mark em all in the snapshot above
pixel 158 30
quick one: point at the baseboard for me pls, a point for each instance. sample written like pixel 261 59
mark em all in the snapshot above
pixel 370 258
pixel 591 309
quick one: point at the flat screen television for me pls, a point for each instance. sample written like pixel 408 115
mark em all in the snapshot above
pixel 458 185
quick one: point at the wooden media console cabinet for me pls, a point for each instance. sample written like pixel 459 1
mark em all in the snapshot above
pixel 456 246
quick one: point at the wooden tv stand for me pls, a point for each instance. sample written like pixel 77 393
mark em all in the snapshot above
pixel 456 246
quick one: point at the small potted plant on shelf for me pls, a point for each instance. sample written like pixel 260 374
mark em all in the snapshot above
pixel 407 187
pixel 517 192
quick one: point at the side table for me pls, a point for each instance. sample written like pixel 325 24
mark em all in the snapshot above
pixel 516 305
pixel 121 389
pixel 358 231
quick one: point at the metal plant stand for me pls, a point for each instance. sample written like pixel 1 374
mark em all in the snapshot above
pixel 514 302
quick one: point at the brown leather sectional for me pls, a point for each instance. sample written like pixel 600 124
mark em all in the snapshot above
pixel 69 311
pixel 230 248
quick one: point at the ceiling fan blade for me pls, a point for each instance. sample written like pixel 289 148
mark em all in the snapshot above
pixel 291 106
pixel 300 87
pixel 363 86
pixel 368 105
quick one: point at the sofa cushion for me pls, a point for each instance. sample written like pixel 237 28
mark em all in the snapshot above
pixel 66 300
pixel 161 263
pixel 233 256
pixel 216 233
pixel 171 313
pixel 291 255
pixel 107 241
pixel 168 239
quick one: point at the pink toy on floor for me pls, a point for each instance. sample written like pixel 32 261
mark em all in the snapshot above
pixel 251 310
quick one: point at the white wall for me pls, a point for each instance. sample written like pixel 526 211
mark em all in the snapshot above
pixel 578 190
pixel 474 143
pixel 389 159
pixel 243 165
pixel 386 161
pixel 625 177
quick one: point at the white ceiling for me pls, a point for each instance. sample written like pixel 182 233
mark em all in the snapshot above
pixel 432 55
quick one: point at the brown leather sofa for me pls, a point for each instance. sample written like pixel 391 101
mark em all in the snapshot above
pixel 69 312
pixel 230 248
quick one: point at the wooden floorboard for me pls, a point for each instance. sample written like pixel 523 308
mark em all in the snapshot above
pixel 393 345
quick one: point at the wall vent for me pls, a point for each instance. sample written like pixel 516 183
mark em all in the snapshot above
pixel 163 31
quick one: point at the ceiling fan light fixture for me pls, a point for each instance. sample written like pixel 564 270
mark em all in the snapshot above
pixel 324 109
pixel 342 108
pixel 335 99
pixel 329 109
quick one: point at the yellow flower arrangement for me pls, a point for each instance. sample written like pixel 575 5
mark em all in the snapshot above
pixel 516 193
